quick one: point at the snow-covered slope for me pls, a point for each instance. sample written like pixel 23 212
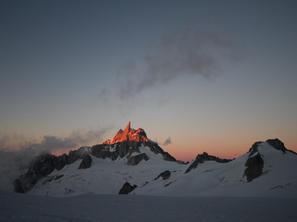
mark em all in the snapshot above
pixel 275 176
pixel 278 177
pixel 137 165
pixel 105 176
pixel 102 168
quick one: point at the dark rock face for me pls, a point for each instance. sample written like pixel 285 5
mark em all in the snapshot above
pixel 45 164
pixel 254 148
pixel 119 150
pixel 122 149
pixel 72 157
pixel 277 144
pixel 77 154
pixel 86 162
pixel 127 188
pixel 134 160
pixel 40 167
pixel 164 175
pixel 201 158
pixel 61 161
pixel 102 152
pixel 254 166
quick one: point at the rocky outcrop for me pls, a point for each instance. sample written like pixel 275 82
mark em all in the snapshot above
pixel 40 167
pixel 134 160
pixel 201 158
pixel 86 162
pixel 254 167
pixel 120 150
pixel 61 161
pixel 128 134
pixel 164 175
pixel 127 188
pixel 75 155
pixel 277 144
pixel 128 139
pixel 43 165
pixel 124 144
pixel 255 162
pixel 254 148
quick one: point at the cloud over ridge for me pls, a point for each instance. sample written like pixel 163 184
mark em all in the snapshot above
pixel 16 157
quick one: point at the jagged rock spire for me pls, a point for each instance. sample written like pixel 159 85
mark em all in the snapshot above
pixel 128 127
pixel 128 134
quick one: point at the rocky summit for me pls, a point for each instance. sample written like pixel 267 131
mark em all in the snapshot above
pixel 128 134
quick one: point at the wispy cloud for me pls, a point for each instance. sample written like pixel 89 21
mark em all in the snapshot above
pixel 167 141
pixel 186 52
pixel 16 156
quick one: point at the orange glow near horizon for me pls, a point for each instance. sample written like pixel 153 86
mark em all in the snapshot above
pixel 187 153
pixel 227 150
pixel 59 152
pixel 186 146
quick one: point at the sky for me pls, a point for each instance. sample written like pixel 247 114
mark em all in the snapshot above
pixel 212 76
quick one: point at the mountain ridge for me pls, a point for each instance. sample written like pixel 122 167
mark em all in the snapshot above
pixel 132 163
pixel 123 144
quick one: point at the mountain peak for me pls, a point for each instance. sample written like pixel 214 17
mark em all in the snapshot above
pixel 128 127
pixel 128 134
pixel 273 143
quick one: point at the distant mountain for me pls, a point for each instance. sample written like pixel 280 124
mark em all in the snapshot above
pixel 128 148
pixel 132 163
pixel 267 169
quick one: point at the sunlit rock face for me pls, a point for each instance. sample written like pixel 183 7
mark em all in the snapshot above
pixel 128 134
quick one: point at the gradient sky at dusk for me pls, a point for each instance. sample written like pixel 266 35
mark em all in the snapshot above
pixel 212 76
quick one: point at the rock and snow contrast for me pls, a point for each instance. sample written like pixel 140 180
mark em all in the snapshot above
pixel 132 163
pixel 104 168
pixel 260 185
pixel 265 170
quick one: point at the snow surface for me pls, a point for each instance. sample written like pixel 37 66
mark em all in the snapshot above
pixel 211 178
pixel 89 207
pixel 211 192
pixel 105 176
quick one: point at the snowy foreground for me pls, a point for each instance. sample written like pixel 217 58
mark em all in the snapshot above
pixel 90 207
